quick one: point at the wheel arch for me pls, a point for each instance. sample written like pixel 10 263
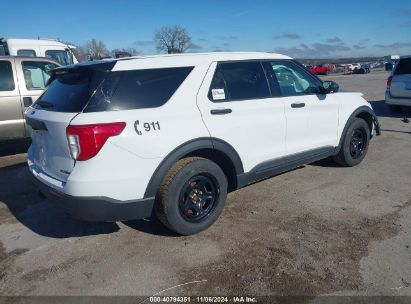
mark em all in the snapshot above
pixel 216 150
pixel 365 113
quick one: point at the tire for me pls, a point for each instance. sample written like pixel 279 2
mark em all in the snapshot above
pixel 192 196
pixel 394 108
pixel 355 144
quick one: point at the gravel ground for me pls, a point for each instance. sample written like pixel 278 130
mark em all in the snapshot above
pixel 317 230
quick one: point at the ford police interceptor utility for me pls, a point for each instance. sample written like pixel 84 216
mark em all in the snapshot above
pixel 172 134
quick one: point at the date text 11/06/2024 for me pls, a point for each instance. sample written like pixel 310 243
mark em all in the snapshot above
pixel 168 299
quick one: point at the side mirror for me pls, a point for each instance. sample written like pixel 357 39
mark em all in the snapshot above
pixel 329 87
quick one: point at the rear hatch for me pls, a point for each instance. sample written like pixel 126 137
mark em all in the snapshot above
pixel 66 96
pixel 401 80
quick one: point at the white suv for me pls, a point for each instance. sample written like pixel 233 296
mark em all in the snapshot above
pixel 117 140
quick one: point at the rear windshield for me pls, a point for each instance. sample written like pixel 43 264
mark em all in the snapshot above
pixel 70 90
pixel 403 67
pixel 87 90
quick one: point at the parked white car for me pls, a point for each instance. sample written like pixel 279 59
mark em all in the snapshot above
pixel 118 139
pixel 354 67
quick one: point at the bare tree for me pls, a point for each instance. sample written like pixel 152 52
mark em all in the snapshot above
pixel 173 39
pixel 79 52
pixel 96 48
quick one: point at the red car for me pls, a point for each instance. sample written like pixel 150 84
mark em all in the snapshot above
pixel 320 69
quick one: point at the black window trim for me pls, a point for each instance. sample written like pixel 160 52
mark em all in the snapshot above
pixel 12 76
pixel 270 85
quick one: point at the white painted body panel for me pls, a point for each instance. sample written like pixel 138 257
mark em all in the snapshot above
pixel 312 126
pixel 349 102
pixel 256 129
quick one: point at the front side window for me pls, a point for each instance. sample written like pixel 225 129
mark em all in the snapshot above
pixel 61 56
pixel 239 81
pixel 6 76
pixel 28 53
pixel 37 73
pixel 293 80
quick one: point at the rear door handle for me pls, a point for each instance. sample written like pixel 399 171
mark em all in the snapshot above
pixel 221 111
pixel 298 105
pixel 27 101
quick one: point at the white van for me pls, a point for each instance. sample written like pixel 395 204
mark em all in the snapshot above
pixel 53 49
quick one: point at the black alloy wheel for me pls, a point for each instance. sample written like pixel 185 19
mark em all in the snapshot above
pixel 358 143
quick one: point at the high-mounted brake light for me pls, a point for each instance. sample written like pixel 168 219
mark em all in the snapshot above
pixel 389 80
pixel 85 141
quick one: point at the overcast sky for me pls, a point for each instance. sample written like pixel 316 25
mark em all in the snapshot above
pixel 302 29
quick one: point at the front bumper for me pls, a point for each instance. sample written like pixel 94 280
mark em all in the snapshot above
pixel 97 209
pixel 398 101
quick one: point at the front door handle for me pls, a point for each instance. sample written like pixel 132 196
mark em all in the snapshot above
pixel 27 101
pixel 298 105
pixel 221 111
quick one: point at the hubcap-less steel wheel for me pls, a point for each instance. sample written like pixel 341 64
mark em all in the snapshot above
pixel 358 143
pixel 198 198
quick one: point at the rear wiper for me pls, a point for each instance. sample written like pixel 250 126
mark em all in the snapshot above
pixel 44 104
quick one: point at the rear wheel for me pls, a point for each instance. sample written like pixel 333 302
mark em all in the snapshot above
pixel 192 196
pixel 355 144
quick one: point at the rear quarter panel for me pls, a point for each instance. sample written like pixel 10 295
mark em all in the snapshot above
pixel 133 157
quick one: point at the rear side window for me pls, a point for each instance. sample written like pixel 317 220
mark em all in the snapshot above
pixel 239 81
pixel 403 67
pixel 137 89
pixel 6 76
pixel 29 53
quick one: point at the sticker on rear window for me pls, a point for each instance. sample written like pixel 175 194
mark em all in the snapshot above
pixel 218 94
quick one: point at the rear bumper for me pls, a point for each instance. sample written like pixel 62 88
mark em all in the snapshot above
pixel 398 101
pixel 97 209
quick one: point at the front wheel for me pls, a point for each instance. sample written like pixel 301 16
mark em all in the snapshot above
pixel 192 195
pixel 355 144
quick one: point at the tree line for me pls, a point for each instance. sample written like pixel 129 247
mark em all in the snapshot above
pixel 168 39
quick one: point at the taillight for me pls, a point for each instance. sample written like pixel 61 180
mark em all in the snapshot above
pixel 85 141
pixel 389 80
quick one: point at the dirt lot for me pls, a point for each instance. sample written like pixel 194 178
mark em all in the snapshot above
pixel 317 230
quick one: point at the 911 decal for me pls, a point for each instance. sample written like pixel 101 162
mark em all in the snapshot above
pixel 147 127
